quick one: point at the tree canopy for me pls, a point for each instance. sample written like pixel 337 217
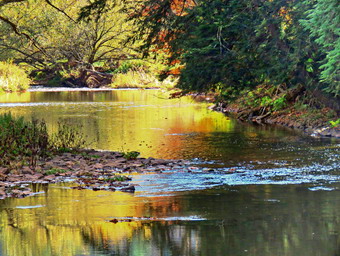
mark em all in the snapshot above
pixel 220 43
pixel 246 43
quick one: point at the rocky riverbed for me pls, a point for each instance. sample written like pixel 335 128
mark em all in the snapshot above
pixel 89 169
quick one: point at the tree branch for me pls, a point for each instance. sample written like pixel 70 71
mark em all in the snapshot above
pixel 58 9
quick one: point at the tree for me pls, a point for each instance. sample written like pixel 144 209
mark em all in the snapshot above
pixel 45 37
pixel 237 43
pixel 323 23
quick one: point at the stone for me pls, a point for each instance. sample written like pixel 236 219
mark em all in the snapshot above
pixel 130 189
pixel 38 176
pixel 26 170
pixel 98 166
pixel 49 178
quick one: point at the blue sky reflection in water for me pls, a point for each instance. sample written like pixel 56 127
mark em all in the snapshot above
pixel 257 190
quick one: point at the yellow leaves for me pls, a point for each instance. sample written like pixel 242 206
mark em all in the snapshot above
pixel 284 12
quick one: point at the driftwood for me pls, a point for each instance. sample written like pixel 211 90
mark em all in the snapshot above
pixel 248 114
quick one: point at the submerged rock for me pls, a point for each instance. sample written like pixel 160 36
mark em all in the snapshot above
pixel 130 189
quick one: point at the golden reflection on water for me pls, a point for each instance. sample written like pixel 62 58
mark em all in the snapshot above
pixel 123 120
pixel 74 222
pixel 264 220
pixel 63 220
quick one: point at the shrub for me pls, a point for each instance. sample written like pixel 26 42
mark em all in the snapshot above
pixel 132 79
pixel 22 141
pixel 117 178
pixel 131 155
pixel 13 78
pixel 279 103
pixel 67 138
pixel 54 171
pixel 335 123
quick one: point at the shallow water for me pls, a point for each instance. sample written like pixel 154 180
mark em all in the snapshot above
pixel 255 190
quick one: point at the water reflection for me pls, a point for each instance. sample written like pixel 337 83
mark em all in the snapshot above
pixel 170 128
pixel 179 213
pixel 240 220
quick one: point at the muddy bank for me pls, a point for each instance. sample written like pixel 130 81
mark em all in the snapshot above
pixel 89 169
pixel 291 118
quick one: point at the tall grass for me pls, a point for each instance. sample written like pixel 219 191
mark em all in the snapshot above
pixel 13 78
pixel 141 74
pixel 21 142
pixel 24 142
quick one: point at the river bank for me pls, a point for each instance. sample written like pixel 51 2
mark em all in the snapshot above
pixel 293 108
pixel 87 169
pixel 293 120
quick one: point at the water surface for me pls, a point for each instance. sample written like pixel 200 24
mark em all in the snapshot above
pixel 255 190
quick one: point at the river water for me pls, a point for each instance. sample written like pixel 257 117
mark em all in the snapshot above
pixel 253 190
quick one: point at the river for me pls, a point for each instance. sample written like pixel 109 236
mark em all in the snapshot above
pixel 253 190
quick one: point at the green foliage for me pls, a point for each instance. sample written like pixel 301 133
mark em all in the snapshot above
pixel 279 103
pixel 265 101
pixel 67 138
pixel 116 178
pixel 26 141
pixel 140 74
pixel 13 78
pixel 322 21
pixel 335 123
pixel 244 43
pixel 54 171
pixel 263 96
pixel 130 155
pixel 22 141
pixel 55 81
pixel 49 38
pixel 236 43
pixel 127 66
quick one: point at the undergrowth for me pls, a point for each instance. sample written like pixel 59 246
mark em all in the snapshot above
pixel 24 142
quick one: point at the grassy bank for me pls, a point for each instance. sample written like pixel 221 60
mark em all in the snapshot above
pixel 13 78
pixel 121 74
pixel 141 79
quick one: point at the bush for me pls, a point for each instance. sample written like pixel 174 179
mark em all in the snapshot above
pixel 24 142
pixel 13 78
pixel 130 155
pixel 67 138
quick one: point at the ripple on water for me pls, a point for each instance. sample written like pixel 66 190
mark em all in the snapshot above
pixel 29 206
pixel 188 180
pixel 318 188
